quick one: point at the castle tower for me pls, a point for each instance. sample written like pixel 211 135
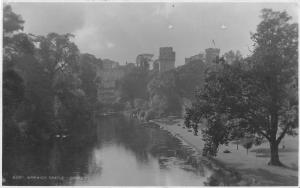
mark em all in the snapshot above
pixel 211 55
pixel 166 59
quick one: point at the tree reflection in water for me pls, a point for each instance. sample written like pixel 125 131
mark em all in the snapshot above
pixel 117 151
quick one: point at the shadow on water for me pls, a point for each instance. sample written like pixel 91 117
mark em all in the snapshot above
pixel 116 151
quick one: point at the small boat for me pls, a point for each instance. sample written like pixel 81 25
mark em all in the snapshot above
pixel 107 113
pixel 61 136
pixel 64 136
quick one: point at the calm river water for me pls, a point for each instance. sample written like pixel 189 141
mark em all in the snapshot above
pixel 121 151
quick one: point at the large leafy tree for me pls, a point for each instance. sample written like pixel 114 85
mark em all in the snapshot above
pixel 11 21
pixel 59 58
pixel 275 65
pixel 256 97
pixel 89 65
pixel 15 45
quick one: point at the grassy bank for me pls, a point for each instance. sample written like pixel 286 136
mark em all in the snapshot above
pixel 237 167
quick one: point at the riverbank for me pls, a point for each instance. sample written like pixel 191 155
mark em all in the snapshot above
pixel 249 168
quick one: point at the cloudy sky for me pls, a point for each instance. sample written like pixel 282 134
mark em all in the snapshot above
pixel 121 31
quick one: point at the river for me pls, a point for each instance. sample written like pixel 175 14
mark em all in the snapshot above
pixel 121 151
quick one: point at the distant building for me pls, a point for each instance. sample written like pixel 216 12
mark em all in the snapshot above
pixel 111 72
pixel 211 55
pixel 156 65
pixel 196 58
pixel 128 67
pixel 143 60
pixel 109 64
pixel 109 78
pixel 166 59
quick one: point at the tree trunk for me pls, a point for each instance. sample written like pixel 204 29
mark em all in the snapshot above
pixel 274 160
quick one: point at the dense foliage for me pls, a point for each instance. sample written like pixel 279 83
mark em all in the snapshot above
pixel 190 77
pixel 134 85
pixel 48 86
pixel 161 93
pixel 164 95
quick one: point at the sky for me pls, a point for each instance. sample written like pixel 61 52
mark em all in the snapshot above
pixel 121 31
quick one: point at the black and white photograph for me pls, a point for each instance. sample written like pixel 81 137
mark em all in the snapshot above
pixel 150 93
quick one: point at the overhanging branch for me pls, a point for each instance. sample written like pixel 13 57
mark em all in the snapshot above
pixel 282 133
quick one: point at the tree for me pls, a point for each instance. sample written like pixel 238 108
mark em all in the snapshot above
pixel 11 21
pixel 209 105
pixel 89 65
pixel 163 89
pixel 247 145
pixel 134 85
pixel 15 45
pixel 52 80
pixel 275 65
pixel 232 56
pixel 253 96
pixel 46 87
pixel 192 73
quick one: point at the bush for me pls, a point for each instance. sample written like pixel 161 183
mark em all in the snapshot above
pixel 150 114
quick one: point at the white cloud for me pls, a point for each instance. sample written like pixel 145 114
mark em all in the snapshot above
pixel 88 39
pixel 110 45
pixel 223 26
pixel 170 26
pixel 120 31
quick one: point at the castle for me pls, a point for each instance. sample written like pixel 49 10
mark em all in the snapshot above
pixel 143 60
pixel 209 57
pixel 166 59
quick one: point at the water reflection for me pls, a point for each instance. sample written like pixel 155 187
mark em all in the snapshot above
pixel 120 167
pixel 121 152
